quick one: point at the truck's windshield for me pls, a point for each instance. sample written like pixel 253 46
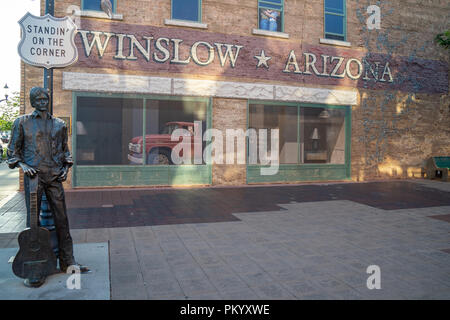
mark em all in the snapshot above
pixel 168 129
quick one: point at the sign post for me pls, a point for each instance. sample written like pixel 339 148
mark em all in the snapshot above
pixel 48 42
pixel 48 73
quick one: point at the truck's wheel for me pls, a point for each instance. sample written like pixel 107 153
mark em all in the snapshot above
pixel 159 156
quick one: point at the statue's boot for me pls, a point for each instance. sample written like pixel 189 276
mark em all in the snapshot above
pixel 34 283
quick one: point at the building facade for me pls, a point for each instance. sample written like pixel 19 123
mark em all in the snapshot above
pixel 342 97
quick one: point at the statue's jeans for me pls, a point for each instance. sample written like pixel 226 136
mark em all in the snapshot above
pixel 55 196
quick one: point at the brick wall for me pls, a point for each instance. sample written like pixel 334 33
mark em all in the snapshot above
pixel 229 114
pixel 392 132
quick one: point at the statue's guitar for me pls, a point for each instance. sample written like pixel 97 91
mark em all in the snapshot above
pixel 35 259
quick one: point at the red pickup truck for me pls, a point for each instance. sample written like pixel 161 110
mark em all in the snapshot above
pixel 158 147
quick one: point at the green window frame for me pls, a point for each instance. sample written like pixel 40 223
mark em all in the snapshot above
pixel 85 2
pixel 333 13
pixel 272 4
pixel 297 172
pixel 142 174
pixel 199 12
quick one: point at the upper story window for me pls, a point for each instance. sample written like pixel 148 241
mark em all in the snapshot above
pixel 335 20
pixel 190 10
pixel 271 15
pixel 94 5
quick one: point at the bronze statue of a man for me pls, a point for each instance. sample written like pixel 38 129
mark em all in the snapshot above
pixel 38 145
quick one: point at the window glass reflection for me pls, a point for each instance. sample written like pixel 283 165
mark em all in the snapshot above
pixel 105 127
pixel 322 135
pixel 283 118
pixel 186 10
pixel 165 116
pixel 95 5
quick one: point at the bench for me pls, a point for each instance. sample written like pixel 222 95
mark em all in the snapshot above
pixel 437 168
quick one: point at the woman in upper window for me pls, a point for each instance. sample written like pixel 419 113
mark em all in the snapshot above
pixel 268 20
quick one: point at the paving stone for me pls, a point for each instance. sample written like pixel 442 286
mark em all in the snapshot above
pixel 195 287
pixel 244 294
pixel 328 243
pixel 174 296
pixel 206 257
pixel 348 294
pixel 228 283
pixel 258 277
pixel 153 261
pixel 353 279
pixel 218 271
pixel 143 233
pixel 97 235
pixel 188 272
pixel 301 288
pixel 122 247
pixel 205 296
pixel 129 292
pixel 272 291
pixel 124 267
pixel 78 235
pixel 163 288
pixel 330 284
pixel 158 275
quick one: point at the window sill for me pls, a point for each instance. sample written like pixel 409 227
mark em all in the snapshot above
pixel 335 42
pixel 268 33
pixel 100 14
pixel 184 23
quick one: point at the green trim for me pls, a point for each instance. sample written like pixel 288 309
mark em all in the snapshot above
pixel 299 173
pixel 104 176
pixel 74 138
pixel 348 141
pixel 344 22
pixel 138 175
pixel 303 171
pixel 144 130
pixel 261 5
pixel 246 143
pixel 442 162
pixel 273 103
pixel 199 12
pixel 209 126
pixel 114 6
pixel 299 152
pixel 328 106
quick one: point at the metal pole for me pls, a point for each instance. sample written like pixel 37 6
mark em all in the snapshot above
pixel 46 216
pixel 48 73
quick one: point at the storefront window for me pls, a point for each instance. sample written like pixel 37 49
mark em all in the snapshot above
pixel 165 116
pixel 314 135
pixel 105 127
pixel 110 130
pixel 270 14
pixel 322 135
pixel 283 118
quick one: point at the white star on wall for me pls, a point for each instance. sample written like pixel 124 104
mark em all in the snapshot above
pixel 262 60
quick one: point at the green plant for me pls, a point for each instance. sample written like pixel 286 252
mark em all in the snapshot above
pixel 9 111
pixel 443 39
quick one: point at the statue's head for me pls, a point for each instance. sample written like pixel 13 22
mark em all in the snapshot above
pixel 39 98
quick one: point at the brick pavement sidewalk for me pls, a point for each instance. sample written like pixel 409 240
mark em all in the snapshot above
pixel 295 250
